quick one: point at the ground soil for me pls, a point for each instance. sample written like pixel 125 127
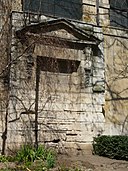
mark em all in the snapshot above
pixel 90 162
pixel 84 162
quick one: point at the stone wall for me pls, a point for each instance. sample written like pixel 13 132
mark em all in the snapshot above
pixel 5 8
pixel 93 12
pixel 70 109
pixel 71 113
pixel 116 57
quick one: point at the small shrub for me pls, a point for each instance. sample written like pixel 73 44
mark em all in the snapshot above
pixel 115 147
pixel 41 152
pixel 10 158
pixel 39 159
pixel 3 158
pixel 28 154
pixel 50 159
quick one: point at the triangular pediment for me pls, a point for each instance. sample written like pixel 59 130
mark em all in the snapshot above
pixel 61 33
pixel 60 28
